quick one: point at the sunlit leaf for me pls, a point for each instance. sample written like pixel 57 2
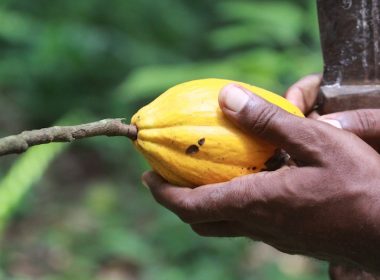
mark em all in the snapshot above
pixel 25 172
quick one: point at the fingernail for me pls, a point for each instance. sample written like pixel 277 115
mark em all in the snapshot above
pixel 233 98
pixel 335 123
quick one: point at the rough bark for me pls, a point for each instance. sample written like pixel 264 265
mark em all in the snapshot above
pixel 19 143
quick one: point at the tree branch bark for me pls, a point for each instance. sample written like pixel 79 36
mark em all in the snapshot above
pixel 19 143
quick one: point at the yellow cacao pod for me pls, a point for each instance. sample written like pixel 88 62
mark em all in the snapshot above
pixel 189 142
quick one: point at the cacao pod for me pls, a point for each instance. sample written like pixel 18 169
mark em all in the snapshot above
pixel 186 138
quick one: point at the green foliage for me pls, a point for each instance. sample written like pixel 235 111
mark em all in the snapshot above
pixel 26 172
pixel 259 23
pixel 88 216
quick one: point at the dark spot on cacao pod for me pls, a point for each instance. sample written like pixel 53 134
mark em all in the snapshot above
pixel 201 141
pixel 193 149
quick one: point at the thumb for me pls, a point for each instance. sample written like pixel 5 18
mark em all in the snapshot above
pixel 365 123
pixel 268 121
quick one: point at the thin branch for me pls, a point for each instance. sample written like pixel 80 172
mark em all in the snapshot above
pixel 19 143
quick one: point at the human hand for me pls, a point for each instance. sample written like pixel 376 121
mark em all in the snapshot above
pixel 365 123
pixel 326 207
pixel 304 94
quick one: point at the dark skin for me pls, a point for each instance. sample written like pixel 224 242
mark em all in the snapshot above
pixel 364 123
pixel 304 94
pixel 326 206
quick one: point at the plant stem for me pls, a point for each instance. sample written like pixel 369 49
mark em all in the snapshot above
pixel 19 143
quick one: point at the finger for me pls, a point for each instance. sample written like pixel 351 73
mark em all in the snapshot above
pixel 203 204
pixel 229 229
pixel 219 229
pixel 297 136
pixel 364 123
pixel 313 115
pixel 263 194
pixel 210 203
pixel 304 93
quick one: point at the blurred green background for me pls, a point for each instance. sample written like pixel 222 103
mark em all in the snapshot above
pixel 79 211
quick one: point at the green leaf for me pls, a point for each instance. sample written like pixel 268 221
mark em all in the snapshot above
pixel 25 172
pixel 18 28
pixel 258 23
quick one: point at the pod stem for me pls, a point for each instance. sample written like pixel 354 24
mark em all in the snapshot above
pixel 19 143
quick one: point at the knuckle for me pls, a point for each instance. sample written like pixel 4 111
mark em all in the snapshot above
pixel 237 202
pixel 312 139
pixel 215 197
pixel 311 134
pixel 263 119
pixel 274 206
pixel 185 210
pixel 215 201
pixel 253 201
pixel 367 121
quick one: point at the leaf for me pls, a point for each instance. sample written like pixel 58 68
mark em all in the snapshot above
pixel 257 23
pixel 25 172
pixel 17 28
pixel 150 81
pixel 260 67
